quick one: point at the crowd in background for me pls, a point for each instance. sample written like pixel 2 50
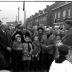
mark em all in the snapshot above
pixel 31 48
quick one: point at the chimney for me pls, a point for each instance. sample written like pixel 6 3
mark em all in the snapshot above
pixel 47 6
pixel 40 12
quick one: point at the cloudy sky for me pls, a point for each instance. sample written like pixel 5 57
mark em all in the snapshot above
pixel 9 10
pixel 32 7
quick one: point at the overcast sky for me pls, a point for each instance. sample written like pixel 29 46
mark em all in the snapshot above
pixel 9 10
pixel 32 7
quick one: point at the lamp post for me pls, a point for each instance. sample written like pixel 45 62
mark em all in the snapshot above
pixel 19 9
pixel 18 13
pixel 24 14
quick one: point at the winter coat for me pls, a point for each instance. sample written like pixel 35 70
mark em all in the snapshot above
pixel 17 46
pixel 27 50
pixel 36 48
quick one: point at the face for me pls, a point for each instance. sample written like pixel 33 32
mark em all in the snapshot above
pixel 27 39
pixel 18 39
pixel 40 30
pixel 48 31
pixel 35 38
pixel 58 37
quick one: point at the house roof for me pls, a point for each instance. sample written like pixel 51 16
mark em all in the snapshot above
pixel 12 23
pixel 60 4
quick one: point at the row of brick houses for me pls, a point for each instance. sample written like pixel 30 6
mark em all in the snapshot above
pixel 62 12
pixel 55 14
pixel 38 19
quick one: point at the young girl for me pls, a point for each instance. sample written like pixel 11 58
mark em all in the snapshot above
pixel 36 53
pixel 27 50
pixel 36 46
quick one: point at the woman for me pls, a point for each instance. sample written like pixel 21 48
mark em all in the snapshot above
pixel 61 64
pixel 17 48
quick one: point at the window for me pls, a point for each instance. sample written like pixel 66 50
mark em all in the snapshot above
pixel 44 18
pixel 69 11
pixel 64 13
pixel 58 14
pixel 55 15
pixel 36 20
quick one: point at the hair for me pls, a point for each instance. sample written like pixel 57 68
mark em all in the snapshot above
pixel 40 28
pixel 20 33
pixel 63 51
pixel 27 34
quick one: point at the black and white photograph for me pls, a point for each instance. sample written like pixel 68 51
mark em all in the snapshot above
pixel 36 36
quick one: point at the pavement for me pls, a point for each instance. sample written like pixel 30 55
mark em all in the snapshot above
pixel 5 71
pixel 23 71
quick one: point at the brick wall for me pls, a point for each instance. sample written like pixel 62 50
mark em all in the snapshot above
pixel 61 9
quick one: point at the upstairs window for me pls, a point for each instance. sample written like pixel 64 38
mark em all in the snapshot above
pixel 64 13
pixel 58 14
pixel 69 12
pixel 55 15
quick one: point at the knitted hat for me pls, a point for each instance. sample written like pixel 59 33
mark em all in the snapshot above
pixel 27 34
pixel 40 28
pixel 17 35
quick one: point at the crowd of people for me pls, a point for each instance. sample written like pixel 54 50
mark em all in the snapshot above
pixel 34 49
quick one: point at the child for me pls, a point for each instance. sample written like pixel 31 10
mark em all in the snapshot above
pixel 36 52
pixel 27 50
pixel 36 46
pixel 17 51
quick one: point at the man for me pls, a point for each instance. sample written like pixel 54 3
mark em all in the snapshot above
pixel 4 47
pixel 40 34
pixel 44 42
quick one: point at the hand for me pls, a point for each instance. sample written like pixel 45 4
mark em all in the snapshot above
pixel 8 48
pixel 20 48
pixel 46 46
pixel 36 55
pixel 32 55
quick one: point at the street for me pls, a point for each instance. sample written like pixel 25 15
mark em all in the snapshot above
pixel 23 71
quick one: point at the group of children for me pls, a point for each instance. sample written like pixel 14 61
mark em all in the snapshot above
pixel 24 50
pixel 35 51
